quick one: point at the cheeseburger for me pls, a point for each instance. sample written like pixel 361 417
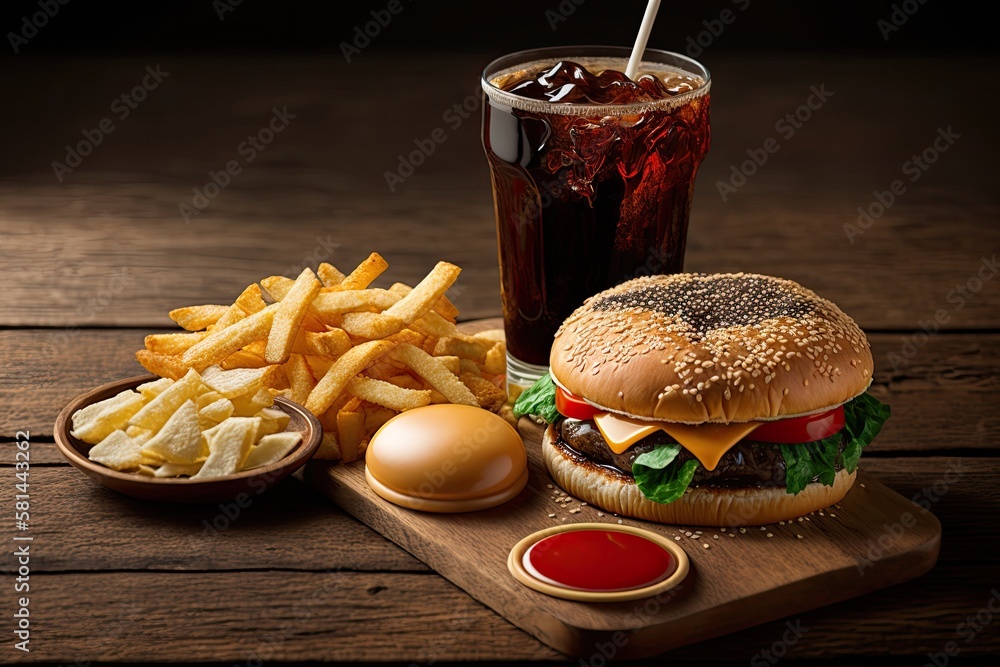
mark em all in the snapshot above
pixel 720 400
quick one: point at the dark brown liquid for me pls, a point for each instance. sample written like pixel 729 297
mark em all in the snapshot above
pixel 584 203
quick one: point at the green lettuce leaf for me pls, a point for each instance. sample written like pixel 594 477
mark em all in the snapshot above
pixel 538 399
pixel 863 419
pixel 658 476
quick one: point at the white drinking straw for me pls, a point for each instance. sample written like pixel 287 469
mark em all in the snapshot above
pixel 641 39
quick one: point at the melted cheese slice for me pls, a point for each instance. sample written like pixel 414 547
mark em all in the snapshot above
pixel 707 442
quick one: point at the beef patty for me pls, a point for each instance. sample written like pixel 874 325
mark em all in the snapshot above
pixel 746 464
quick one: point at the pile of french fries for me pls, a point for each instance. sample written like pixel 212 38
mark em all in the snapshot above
pixel 354 355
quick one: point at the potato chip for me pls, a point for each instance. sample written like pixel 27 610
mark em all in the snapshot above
pixel 492 335
pixel 249 405
pixel 206 397
pixel 215 413
pixel 435 373
pixel 223 342
pixel 387 394
pixel 271 449
pixel 116 451
pixel 288 317
pixel 272 420
pixel 196 318
pixel 235 382
pixel 155 413
pixel 138 434
pixel 146 470
pixel 229 444
pixel 180 439
pixel 153 388
pixel 97 421
pixel 178 469
pixel 346 367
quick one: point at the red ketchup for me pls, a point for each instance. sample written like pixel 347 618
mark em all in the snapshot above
pixel 599 561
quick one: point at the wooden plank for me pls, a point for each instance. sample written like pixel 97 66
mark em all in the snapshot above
pixel 290 527
pixel 840 555
pixel 241 617
pixel 322 184
pixel 72 509
pixel 943 397
pixel 233 617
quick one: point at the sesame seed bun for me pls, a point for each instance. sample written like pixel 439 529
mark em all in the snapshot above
pixel 697 348
pixel 614 491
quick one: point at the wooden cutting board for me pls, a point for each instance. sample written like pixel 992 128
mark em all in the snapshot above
pixel 875 538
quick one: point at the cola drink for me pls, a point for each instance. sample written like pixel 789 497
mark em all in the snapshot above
pixel 592 174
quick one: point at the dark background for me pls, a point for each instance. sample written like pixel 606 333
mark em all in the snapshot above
pixel 315 26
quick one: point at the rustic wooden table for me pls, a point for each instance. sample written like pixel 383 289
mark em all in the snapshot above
pixel 93 262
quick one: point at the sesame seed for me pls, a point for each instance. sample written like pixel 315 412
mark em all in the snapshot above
pixel 619 521
pixel 552 516
pixel 799 536
pixel 707 545
pixel 770 534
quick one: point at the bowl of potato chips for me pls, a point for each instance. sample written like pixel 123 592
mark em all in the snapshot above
pixel 203 438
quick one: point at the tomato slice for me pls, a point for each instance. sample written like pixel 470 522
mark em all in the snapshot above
pixel 570 406
pixel 798 430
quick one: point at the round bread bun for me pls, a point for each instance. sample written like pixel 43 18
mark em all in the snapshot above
pixel 616 492
pixel 697 348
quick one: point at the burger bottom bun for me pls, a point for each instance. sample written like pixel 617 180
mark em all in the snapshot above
pixel 617 492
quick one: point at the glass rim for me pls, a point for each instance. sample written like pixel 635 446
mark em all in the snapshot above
pixel 512 60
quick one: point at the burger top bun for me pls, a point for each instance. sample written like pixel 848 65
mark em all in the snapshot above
pixel 698 348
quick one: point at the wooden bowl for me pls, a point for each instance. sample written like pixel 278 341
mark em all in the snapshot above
pixel 184 489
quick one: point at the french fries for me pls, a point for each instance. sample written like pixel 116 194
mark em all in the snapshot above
pixel 353 354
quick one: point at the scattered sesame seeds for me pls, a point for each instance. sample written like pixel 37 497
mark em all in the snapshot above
pixel 770 534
